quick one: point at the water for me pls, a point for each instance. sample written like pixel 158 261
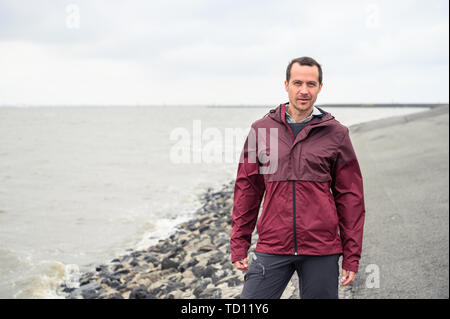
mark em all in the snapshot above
pixel 80 185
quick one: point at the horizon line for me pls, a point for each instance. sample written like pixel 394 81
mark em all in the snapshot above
pixel 213 105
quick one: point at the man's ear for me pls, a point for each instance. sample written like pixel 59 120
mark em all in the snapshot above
pixel 320 87
pixel 286 85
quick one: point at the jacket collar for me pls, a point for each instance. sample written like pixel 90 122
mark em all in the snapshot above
pixel 315 112
pixel 279 114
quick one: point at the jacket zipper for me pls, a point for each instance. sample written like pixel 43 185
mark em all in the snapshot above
pixel 295 227
pixel 293 182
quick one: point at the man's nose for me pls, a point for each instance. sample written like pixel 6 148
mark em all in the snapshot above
pixel 303 89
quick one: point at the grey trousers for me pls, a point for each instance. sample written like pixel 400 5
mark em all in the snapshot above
pixel 268 276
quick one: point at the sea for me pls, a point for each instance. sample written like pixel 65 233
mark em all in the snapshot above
pixel 80 186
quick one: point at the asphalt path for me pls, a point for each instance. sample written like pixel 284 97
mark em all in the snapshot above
pixel 405 165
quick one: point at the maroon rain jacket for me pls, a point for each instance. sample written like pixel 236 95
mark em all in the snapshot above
pixel 314 200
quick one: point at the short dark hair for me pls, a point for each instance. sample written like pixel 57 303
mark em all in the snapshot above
pixel 305 60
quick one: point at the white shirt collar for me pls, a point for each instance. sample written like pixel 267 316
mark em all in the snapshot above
pixel 315 111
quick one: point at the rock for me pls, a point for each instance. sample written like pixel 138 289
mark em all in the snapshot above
pixel 187 278
pixel 177 294
pixel 193 225
pixel 168 263
pixel 187 265
pixel 125 258
pixel 220 242
pixel 167 287
pixel 201 287
pixel 100 268
pixel 68 290
pixel 106 281
pixel 211 293
pixel 75 293
pixel 197 271
pixel 136 254
pixel 159 289
pixel 164 247
pixel 117 267
pixel 113 277
pixel 233 282
pixel 217 257
pixel 171 286
pixel 145 282
pixel 141 293
pixel 114 284
pixel 126 294
pixel 221 237
pixel 86 280
pixel 183 242
pixel 90 285
pixel 219 274
pixel 176 253
pixel 152 258
pixel 200 271
pixel 206 248
pixel 229 202
pixel 90 293
pixel 209 271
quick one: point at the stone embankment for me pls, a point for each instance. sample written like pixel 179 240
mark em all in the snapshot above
pixel 194 262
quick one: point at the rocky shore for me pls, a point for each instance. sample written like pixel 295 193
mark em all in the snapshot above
pixel 194 262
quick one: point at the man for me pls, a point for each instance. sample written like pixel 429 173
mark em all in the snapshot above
pixel 313 209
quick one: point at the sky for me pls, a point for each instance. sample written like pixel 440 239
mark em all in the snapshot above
pixel 204 52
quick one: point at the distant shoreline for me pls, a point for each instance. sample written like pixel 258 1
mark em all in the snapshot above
pixel 365 105
pixel 421 105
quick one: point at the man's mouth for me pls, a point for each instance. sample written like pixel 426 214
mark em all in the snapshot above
pixel 303 100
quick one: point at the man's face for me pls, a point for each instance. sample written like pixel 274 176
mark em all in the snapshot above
pixel 303 86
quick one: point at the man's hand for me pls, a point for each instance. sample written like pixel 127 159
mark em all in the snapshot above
pixel 347 277
pixel 241 264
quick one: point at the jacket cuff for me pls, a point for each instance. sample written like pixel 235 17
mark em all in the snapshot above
pixel 237 257
pixel 351 267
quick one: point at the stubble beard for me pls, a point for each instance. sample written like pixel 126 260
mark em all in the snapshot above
pixel 302 109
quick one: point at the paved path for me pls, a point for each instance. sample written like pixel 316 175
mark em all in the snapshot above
pixel 405 165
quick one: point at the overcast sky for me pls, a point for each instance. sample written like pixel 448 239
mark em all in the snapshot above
pixel 220 52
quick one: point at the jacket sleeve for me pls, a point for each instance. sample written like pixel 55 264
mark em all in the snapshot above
pixel 347 188
pixel 248 193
